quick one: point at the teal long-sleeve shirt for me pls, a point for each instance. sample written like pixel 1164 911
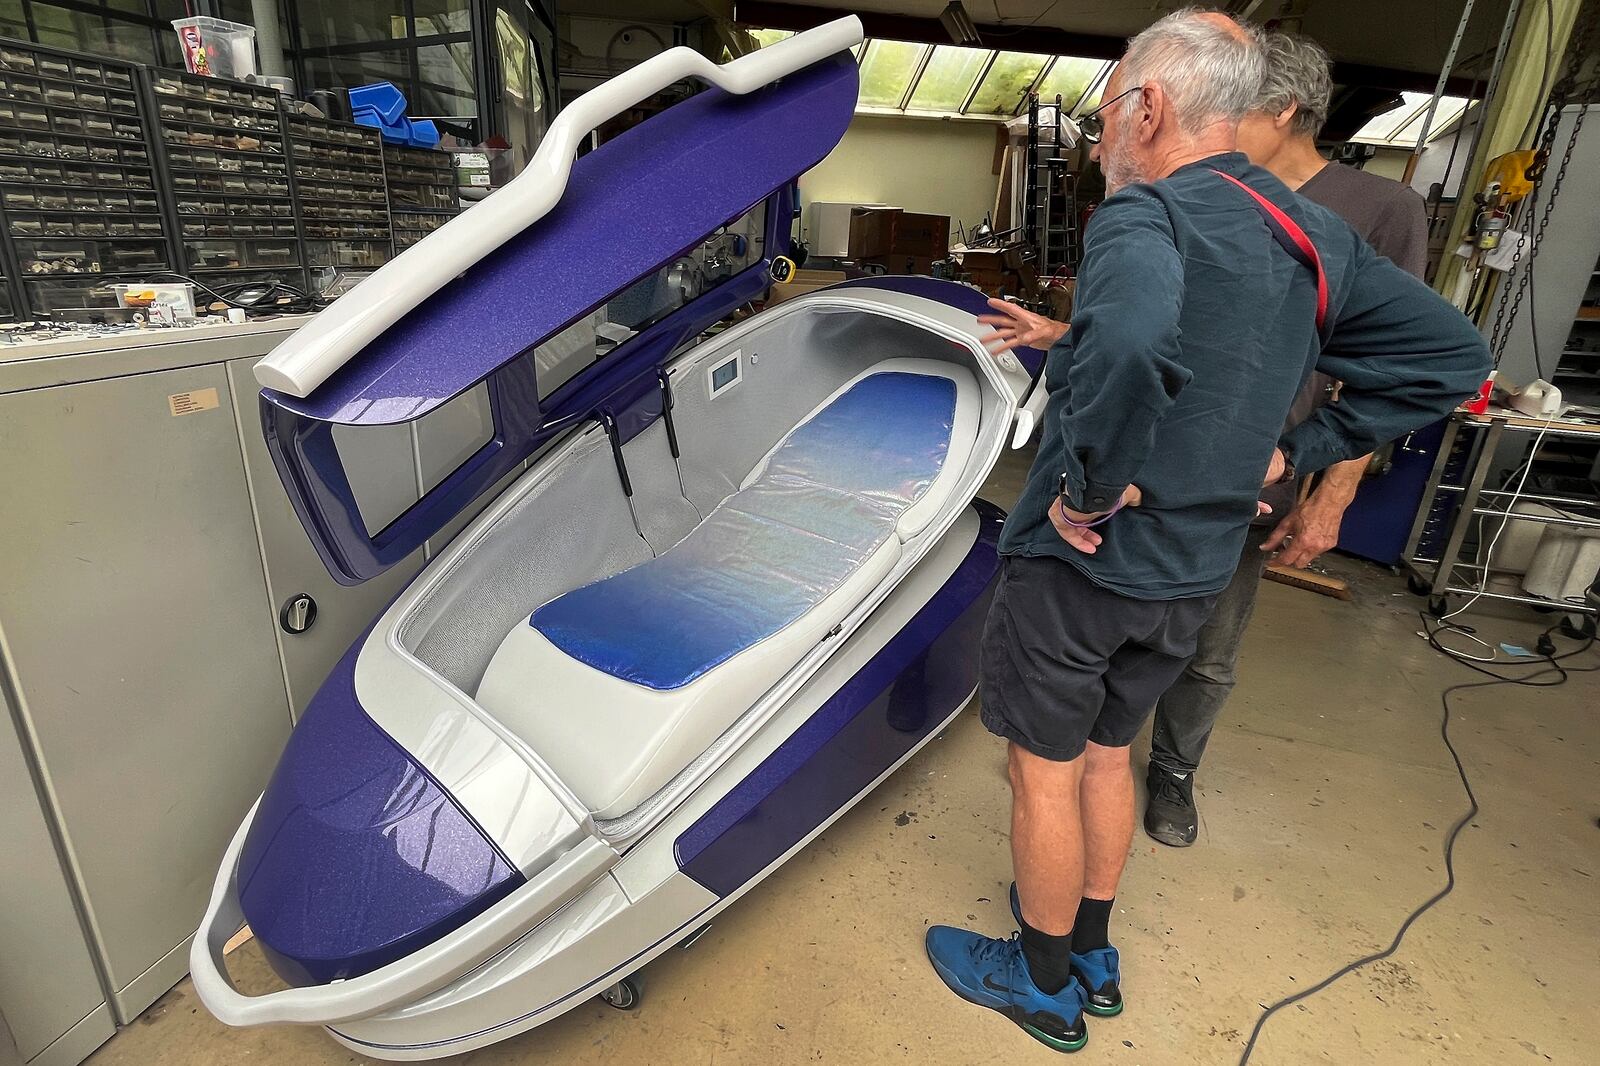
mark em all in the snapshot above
pixel 1192 331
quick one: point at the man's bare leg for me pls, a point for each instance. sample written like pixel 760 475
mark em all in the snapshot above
pixel 1106 799
pixel 1046 839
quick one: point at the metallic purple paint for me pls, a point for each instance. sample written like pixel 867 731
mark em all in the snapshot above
pixel 356 857
pixel 631 206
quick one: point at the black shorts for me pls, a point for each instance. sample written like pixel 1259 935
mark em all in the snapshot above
pixel 1065 661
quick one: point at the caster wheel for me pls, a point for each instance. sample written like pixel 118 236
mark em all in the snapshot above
pixel 1417 586
pixel 1438 606
pixel 625 994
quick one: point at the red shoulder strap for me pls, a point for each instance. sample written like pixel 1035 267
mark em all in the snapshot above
pixel 1293 239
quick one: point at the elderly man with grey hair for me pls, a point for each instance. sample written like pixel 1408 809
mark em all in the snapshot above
pixel 1280 134
pixel 1208 293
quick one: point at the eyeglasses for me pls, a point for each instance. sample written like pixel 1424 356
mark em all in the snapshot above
pixel 1092 125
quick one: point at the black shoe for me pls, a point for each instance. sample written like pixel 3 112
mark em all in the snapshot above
pixel 1171 817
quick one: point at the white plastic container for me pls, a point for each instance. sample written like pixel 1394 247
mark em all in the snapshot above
pixel 172 301
pixel 1565 564
pixel 216 47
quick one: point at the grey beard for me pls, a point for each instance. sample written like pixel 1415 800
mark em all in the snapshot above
pixel 1120 170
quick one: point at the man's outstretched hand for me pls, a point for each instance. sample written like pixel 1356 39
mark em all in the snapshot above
pixel 1307 532
pixel 1017 327
pixel 1086 540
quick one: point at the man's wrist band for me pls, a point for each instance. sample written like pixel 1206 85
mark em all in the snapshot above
pixel 1091 524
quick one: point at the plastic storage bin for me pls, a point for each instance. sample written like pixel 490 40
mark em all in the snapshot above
pixel 176 297
pixel 217 48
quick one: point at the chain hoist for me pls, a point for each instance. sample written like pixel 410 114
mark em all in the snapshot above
pixel 1565 91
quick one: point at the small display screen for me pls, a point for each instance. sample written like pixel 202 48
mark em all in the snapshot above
pixel 724 375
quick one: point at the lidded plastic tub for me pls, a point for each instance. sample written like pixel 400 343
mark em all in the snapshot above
pixel 217 48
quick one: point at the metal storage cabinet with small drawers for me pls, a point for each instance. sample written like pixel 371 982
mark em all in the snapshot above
pixel 79 195
pixel 151 576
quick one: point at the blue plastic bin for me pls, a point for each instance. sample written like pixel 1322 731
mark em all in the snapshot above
pixel 381 97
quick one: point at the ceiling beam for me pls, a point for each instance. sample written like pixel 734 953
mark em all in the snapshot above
pixel 770 14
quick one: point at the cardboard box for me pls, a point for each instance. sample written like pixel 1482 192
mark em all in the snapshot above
pixel 804 281
pixel 924 236
pixel 1005 258
pixel 872 231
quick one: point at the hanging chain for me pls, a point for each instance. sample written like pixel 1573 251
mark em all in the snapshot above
pixel 1564 91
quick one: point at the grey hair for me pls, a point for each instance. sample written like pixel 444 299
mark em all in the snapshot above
pixel 1209 72
pixel 1297 73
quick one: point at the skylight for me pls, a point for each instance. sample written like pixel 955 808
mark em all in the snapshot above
pixel 1005 87
pixel 948 78
pixel 901 77
pixel 888 70
pixel 904 78
pixel 1400 127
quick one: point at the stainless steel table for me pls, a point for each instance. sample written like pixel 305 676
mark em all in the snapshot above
pixel 1439 576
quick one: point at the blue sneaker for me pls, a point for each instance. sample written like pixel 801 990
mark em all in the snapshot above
pixel 1099 971
pixel 993 974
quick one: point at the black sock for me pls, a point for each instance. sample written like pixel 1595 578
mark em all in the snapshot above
pixel 1089 931
pixel 1049 958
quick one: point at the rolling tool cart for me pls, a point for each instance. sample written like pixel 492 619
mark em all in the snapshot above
pixel 227 165
pixel 337 171
pixel 78 186
pixel 422 191
pixel 1459 476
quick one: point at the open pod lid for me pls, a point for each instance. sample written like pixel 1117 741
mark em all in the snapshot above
pixel 490 298
pixel 568 234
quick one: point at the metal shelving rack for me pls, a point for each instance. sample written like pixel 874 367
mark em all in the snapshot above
pixel 78 185
pixel 223 157
pixel 337 172
pixel 1466 457
pixel 422 191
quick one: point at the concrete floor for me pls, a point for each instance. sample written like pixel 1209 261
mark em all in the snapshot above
pixel 1325 803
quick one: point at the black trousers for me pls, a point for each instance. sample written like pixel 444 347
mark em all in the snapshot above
pixel 1189 710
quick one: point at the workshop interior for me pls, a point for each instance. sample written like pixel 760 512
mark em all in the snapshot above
pixel 500 499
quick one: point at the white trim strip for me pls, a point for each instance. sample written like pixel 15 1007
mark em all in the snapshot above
pixel 319 348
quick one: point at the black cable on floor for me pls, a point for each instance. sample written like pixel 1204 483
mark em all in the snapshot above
pixel 1553 666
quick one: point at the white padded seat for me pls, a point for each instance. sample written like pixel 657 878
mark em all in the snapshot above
pixel 620 684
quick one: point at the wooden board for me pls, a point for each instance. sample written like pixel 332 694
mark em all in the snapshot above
pixel 1309 579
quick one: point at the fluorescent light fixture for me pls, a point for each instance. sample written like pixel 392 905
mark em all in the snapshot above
pixel 958 24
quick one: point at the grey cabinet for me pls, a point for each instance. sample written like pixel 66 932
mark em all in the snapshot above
pixel 146 552
pixel 131 602
pixel 52 1008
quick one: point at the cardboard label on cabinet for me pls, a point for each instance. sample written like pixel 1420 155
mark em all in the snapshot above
pixel 188 403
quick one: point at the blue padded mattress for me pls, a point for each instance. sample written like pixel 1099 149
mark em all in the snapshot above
pixel 829 496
